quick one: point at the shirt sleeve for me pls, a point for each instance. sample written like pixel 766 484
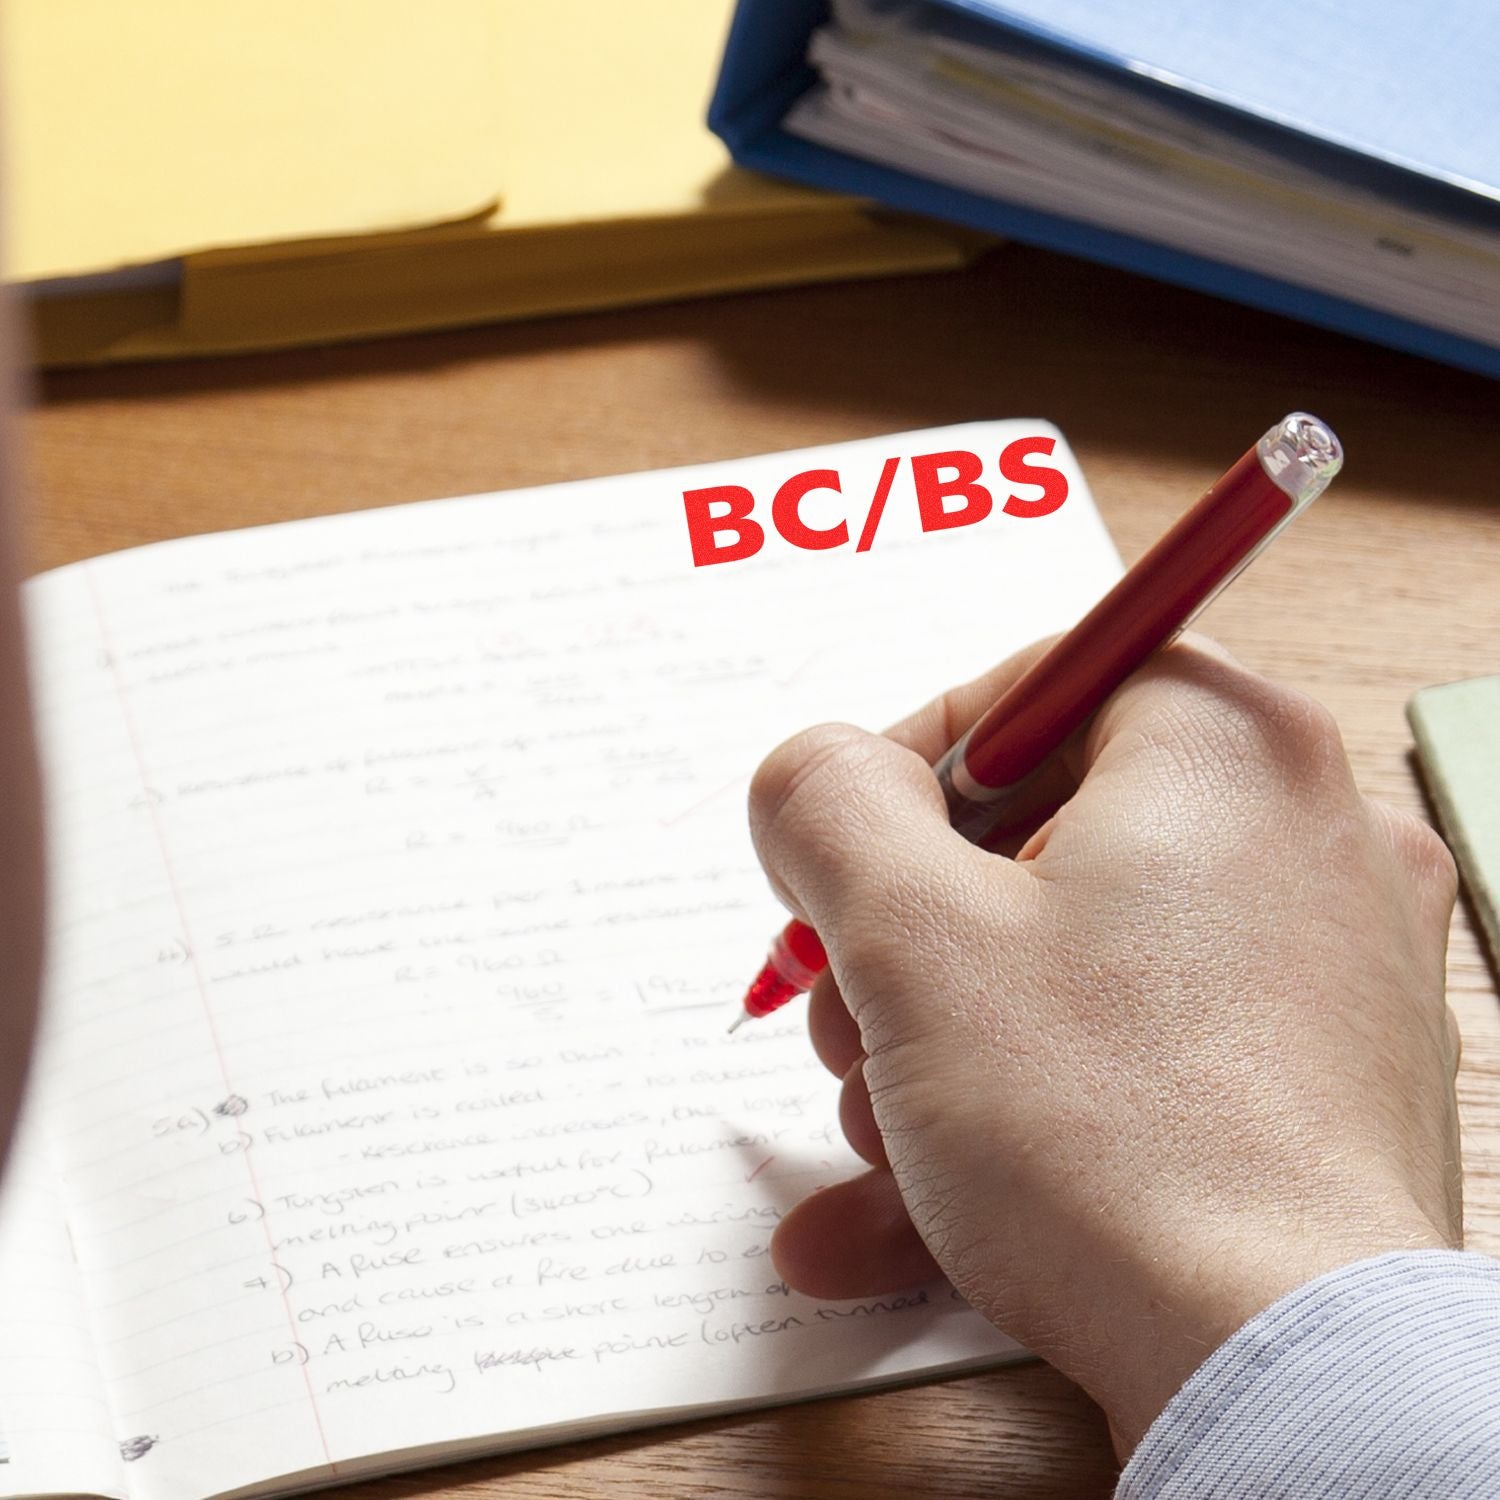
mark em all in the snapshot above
pixel 1377 1381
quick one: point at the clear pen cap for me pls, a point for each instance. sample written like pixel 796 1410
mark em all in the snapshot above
pixel 1300 456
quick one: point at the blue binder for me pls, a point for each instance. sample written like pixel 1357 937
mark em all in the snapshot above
pixel 1445 149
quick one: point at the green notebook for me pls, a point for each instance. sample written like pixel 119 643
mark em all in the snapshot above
pixel 1457 727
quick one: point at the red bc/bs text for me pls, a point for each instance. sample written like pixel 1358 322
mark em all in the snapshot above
pixel 948 491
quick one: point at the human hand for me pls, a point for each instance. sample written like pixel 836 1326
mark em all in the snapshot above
pixel 1188 1050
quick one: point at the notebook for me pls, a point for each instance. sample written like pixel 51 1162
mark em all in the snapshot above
pixel 385 1112
pixel 1336 164
pixel 1457 728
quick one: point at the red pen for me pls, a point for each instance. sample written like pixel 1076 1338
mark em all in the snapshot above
pixel 992 778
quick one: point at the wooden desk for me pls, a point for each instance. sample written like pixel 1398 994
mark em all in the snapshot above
pixel 1392 581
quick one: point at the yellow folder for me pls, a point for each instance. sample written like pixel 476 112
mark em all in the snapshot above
pixel 202 176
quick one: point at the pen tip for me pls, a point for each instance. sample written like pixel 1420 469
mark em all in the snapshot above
pixel 738 1021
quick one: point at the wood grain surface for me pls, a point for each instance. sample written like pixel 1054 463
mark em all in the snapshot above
pixel 1392 581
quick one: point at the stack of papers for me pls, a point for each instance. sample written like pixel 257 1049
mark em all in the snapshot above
pixel 190 177
pixel 990 111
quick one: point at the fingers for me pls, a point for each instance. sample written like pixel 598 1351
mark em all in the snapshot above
pixel 853 832
pixel 834 1032
pixel 1190 758
pixel 940 722
pixel 835 1038
pixel 857 1117
pixel 838 815
pixel 1195 706
pixel 854 1239
pixel 1422 856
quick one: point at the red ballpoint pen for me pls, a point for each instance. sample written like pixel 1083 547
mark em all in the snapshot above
pixel 992 778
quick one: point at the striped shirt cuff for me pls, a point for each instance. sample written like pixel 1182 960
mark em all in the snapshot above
pixel 1380 1379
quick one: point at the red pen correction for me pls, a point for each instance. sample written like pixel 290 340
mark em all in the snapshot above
pixel 996 778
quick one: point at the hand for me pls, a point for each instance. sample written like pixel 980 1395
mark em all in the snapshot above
pixel 1187 1050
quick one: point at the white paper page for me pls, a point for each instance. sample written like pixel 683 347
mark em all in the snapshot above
pixel 56 1431
pixel 403 894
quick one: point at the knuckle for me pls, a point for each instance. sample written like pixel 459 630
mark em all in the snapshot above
pixel 1307 725
pixel 1289 724
pixel 887 942
pixel 1453 1035
pixel 1194 644
pixel 1212 715
pixel 1423 852
pixel 1283 729
pixel 801 766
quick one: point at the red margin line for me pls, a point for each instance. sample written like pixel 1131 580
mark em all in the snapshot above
pixel 202 983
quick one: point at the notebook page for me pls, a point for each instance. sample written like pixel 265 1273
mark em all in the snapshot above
pixel 403 891
pixel 56 1431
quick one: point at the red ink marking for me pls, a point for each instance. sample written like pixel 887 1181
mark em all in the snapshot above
pixel 946 486
pixel 174 888
pixel 806 663
pixel 703 801
pixel 877 505
pixel 761 1168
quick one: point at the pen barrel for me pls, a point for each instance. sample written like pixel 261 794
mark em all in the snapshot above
pixel 993 816
pixel 1061 691
pixel 798 955
pixel 1005 773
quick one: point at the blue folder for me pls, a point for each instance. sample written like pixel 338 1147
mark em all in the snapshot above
pixel 1314 78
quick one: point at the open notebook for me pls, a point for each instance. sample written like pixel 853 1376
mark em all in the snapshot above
pixel 385 1113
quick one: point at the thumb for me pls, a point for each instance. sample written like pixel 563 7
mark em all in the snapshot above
pixel 853 832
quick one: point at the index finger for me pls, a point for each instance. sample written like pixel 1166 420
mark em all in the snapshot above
pixel 942 721
pixel 938 724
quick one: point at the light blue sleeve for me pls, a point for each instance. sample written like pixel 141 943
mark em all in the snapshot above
pixel 1377 1381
